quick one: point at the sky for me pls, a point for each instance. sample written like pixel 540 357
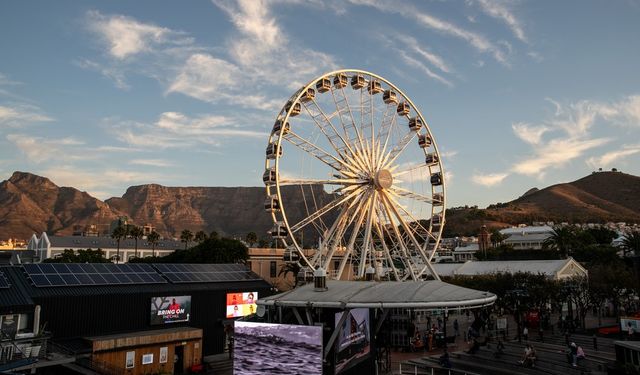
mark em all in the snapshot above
pixel 517 93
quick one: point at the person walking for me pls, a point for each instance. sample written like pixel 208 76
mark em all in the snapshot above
pixel 456 327
pixel 525 333
pixel 540 333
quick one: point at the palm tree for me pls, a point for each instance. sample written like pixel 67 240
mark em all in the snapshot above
pixel 118 234
pixel 154 239
pixel 631 242
pixel 201 236
pixel 136 233
pixel 252 238
pixel 562 239
pixel 497 238
pixel 186 236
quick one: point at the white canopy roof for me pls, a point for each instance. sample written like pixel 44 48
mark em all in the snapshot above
pixel 556 269
pixel 386 294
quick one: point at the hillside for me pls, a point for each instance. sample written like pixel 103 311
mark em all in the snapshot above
pixel 598 198
pixel 30 203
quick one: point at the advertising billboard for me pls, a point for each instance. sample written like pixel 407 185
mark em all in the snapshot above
pixel 170 309
pixel 354 343
pixel 265 348
pixel 241 304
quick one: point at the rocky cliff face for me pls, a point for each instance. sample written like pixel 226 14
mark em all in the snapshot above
pixel 33 204
pixel 30 203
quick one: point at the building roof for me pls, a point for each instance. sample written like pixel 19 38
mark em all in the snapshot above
pixel 81 242
pixel 386 294
pixel 22 291
pixel 527 237
pixel 552 268
pixel 469 247
pixel 527 229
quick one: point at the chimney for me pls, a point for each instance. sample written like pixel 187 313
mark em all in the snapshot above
pixel 320 280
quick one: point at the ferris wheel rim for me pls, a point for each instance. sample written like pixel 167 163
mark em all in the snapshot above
pixel 284 115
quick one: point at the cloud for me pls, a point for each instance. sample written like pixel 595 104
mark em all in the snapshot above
pixel 409 60
pixel 115 74
pixel 152 162
pixel 489 180
pixel 177 130
pixel 428 21
pixel 94 182
pixel 607 159
pixel 39 150
pixel 498 10
pixel 127 37
pixel 21 114
pixel 529 134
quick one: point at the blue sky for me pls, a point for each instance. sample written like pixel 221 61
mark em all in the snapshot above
pixel 104 95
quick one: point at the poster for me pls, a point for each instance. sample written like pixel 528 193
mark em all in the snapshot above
pixel 241 304
pixel 130 361
pixel 164 353
pixel 9 325
pixel 170 309
pixel 353 338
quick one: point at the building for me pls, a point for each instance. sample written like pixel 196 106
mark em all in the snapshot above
pixel 50 246
pixel 527 237
pixel 120 317
pixel 556 269
pixel 465 252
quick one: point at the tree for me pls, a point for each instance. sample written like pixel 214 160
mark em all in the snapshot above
pixel 252 238
pixel 82 256
pixel 136 233
pixel 290 267
pixel 200 236
pixel 214 234
pixel 631 242
pixel 211 250
pixel 118 234
pixel 562 239
pixel 497 238
pixel 154 239
pixel 186 236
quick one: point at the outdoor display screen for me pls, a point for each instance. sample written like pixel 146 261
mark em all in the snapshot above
pixel 170 309
pixel 265 348
pixel 353 338
pixel 241 304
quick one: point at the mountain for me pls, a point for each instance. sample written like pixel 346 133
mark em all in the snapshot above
pixel 33 204
pixel 597 198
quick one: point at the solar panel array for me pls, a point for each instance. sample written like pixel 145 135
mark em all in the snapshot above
pixel 68 274
pixel 205 273
pixel 4 283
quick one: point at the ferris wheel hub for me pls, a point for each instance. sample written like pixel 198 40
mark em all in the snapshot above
pixel 383 179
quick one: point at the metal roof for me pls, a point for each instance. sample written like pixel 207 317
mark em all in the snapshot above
pixel 549 267
pixel 81 242
pixel 527 229
pixel 15 297
pixel 527 237
pixel 387 294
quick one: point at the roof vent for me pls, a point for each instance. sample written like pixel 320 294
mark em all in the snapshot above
pixel 370 273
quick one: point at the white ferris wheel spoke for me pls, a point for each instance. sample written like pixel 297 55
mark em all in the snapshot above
pixel 316 215
pixel 386 250
pixel 361 213
pixel 412 218
pixel 367 242
pixel 338 181
pixel 397 150
pixel 407 170
pixel 406 254
pixel 342 107
pixel 396 190
pixel 318 153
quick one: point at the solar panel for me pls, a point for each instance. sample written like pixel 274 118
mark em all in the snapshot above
pixel 62 274
pixel 4 283
pixel 205 273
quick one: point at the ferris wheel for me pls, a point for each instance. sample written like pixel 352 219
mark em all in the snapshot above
pixel 354 180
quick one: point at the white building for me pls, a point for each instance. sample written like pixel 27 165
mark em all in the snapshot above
pixel 465 252
pixel 51 246
pixel 529 237
pixel 556 269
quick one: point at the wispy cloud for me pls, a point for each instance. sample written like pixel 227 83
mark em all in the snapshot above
pixel 607 159
pixel 498 9
pixel 476 40
pixel 529 134
pixel 160 163
pixel 21 114
pixel 489 180
pixel 127 37
pixel 177 130
pixel 39 150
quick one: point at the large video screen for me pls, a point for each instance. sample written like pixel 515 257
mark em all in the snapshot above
pixel 171 309
pixel 241 304
pixel 353 338
pixel 265 348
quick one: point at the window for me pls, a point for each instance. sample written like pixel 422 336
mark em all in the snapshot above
pixel 273 268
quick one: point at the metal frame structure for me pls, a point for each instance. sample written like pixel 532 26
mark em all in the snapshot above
pixel 387 209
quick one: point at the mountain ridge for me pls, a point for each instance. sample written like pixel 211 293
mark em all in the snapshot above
pixel 32 204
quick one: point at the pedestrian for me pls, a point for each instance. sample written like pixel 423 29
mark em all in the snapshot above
pixel 456 327
pixel 630 331
pixel 525 333
pixel 540 333
pixel 573 351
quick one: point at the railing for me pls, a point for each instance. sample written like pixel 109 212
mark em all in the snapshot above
pixel 14 349
pixel 410 368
